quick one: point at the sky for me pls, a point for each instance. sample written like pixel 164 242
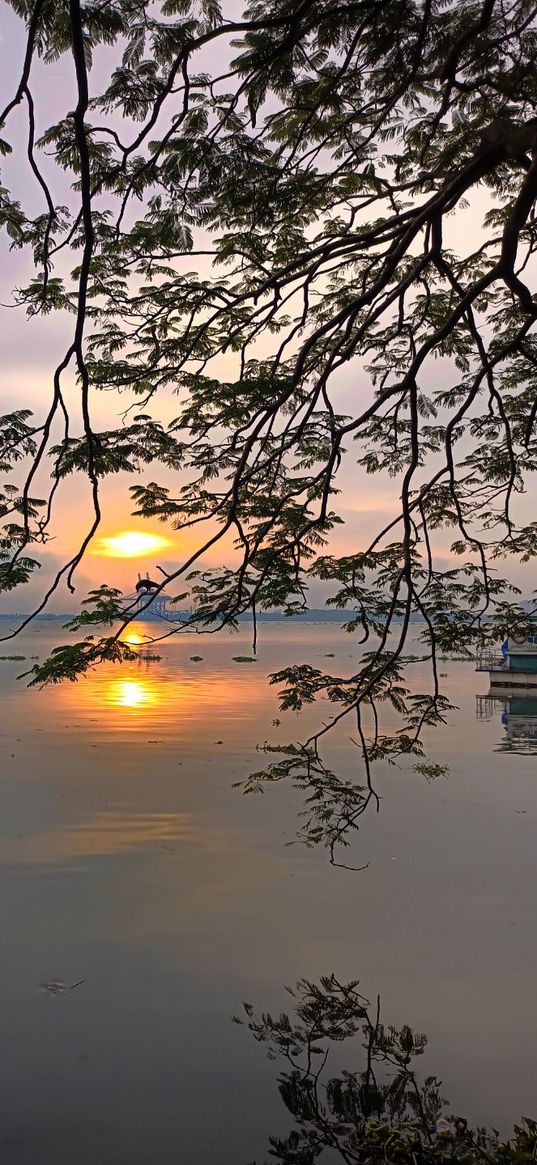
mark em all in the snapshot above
pixel 31 350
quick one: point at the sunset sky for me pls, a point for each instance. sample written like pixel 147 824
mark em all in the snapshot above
pixel 32 348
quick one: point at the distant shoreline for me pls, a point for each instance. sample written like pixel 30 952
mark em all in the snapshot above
pixel 314 615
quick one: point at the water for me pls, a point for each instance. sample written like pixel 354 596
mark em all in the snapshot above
pixel 132 868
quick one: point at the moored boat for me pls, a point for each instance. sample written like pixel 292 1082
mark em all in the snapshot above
pixel 514 666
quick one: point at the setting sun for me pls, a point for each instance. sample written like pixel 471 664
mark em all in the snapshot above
pixel 132 639
pixel 131 544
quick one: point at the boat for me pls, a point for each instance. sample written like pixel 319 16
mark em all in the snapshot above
pixel 514 666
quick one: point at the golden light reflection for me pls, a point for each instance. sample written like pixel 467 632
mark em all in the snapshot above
pixel 176 693
pixel 132 693
pixel 116 832
pixel 130 544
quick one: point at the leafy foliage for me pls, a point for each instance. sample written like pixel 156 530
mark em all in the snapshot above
pixel 245 239
pixel 72 660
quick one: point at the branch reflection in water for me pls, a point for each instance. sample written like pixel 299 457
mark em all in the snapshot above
pixel 380 1112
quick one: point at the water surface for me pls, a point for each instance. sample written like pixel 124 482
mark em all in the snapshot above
pixel 131 867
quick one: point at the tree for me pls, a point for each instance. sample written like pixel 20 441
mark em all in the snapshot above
pixel 245 232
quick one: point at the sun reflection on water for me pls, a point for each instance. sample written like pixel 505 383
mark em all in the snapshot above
pixel 132 693
pixel 175 693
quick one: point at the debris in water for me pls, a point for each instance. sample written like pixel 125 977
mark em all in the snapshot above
pixel 56 987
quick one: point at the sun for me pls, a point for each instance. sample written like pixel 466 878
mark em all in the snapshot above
pixel 131 544
pixel 132 639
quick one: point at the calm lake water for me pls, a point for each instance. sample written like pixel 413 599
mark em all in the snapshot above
pixel 131 867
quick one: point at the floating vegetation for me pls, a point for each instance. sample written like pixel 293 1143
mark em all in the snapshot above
pixel 244 659
pixel 431 770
